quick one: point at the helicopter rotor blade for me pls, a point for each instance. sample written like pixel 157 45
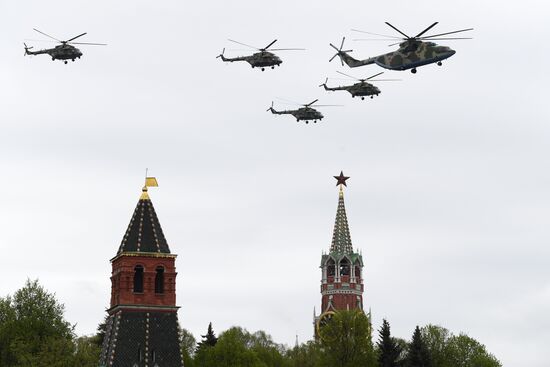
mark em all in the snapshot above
pixel 287 49
pixel 310 103
pixel 374 39
pixel 426 30
pixel 447 38
pixel 342 44
pixel 397 30
pixel 34 40
pixel 446 33
pixel 332 58
pixel 266 47
pixel 244 44
pixel 386 80
pixel 87 43
pixel 328 105
pixel 72 39
pixel 394 44
pixel 375 75
pixel 349 76
pixel 334 47
pixel 375 34
pixel 47 35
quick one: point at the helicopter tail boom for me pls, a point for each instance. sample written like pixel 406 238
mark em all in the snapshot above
pixel 353 63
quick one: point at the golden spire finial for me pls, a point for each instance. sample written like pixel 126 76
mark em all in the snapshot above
pixel 149 182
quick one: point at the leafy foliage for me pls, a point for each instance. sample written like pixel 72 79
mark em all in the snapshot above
pixel 346 340
pixel 34 332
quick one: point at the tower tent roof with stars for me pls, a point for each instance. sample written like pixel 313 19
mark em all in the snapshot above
pixel 144 233
pixel 341 239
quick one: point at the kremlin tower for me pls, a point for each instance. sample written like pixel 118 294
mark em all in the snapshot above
pixel 142 327
pixel 341 269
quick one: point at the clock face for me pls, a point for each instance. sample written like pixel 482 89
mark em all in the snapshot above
pixel 324 319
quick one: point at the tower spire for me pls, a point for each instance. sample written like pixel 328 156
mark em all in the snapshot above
pixel 341 239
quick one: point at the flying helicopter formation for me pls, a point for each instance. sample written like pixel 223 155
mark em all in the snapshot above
pixel 65 51
pixel 412 53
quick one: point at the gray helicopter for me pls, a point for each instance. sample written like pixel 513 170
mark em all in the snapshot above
pixel 305 113
pixel 65 51
pixel 262 59
pixel 362 88
pixel 413 51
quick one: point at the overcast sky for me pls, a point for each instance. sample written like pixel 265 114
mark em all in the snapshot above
pixel 448 198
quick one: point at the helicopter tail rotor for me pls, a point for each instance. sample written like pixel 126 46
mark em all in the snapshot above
pixel 270 108
pixel 26 49
pixel 339 51
pixel 324 84
pixel 220 56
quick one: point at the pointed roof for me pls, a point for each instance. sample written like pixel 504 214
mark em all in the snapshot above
pixel 144 233
pixel 341 239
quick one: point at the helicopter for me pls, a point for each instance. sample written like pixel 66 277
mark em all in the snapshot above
pixel 65 51
pixel 261 59
pixel 413 51
pixel 361 89
pixel 306 112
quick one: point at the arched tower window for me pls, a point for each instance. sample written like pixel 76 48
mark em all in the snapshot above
pixel 331 268
pixel 159 280
pixel 357 270
pixel 344 267
pixel 138 279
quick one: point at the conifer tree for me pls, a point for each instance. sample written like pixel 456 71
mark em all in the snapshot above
pixel 388 349
pixel 208 340
pixel 418 354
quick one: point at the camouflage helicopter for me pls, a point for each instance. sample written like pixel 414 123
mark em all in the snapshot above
pixel 261 59
pixel 306 113
pixel 413 51
pixel 65 51
pixel 362 89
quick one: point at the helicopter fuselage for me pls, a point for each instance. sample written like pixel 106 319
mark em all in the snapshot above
pixel 262 59
pixel 61 52
pixel 410 55
pixel 303 113
pixel 414 54
pixel 361 89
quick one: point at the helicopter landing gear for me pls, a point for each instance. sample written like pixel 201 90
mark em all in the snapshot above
pixel 362 98
pixel 73 60
pixel 273 67
pixel 413 71
pixel 263 69
pixel 65 62
pixel 371 97
pixel 307 122
pixel 53 58
pixel 439 63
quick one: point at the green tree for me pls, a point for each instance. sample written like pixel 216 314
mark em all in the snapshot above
pixel 208 340
pixel 389 350
pixel 436 339
pixel 187 344
pixel 33 330
pixel 232 349
pixel 345 339
pixel 417 353
pixel 463 351
pixel 304 355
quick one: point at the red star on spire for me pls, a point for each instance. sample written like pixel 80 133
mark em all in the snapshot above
pixel 341 180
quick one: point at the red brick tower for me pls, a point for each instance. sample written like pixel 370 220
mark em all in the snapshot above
pixel 342 268
pixel 142 327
